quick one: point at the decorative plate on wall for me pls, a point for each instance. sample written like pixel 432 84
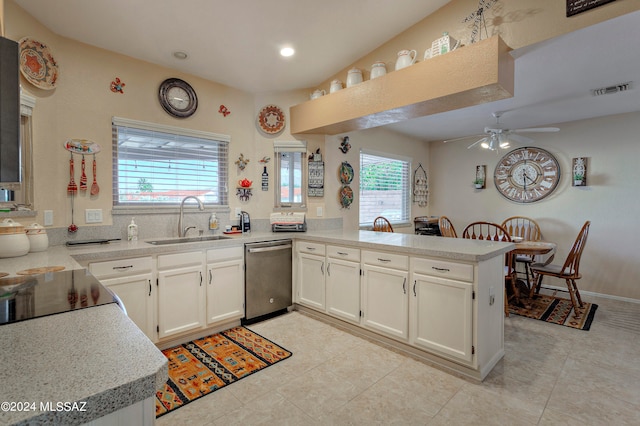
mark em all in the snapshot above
pixel 37 64
pixel 346 196
pixel 271 120
pixel 346 173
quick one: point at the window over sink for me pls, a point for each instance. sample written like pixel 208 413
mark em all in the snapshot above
pixel 290 180
pixel 156 165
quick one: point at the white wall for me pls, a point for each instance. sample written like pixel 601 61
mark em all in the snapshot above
pixel 611 261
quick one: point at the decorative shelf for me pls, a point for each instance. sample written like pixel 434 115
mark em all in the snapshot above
pixel 470 75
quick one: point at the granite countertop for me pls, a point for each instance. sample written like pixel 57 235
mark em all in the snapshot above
pixel 419 245
pixel 96 356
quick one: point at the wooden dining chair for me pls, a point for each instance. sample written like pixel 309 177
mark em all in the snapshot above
pixel 527 229
pixel 494 232
pixel 446 227
pixel 382 224
pixel 569 271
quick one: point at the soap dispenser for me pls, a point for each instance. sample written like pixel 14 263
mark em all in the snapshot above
pixel 213 222
pixel 132 231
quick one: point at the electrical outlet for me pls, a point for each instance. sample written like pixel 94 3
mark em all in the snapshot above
pixel 93 215
pixel 48 217
pixel 319 211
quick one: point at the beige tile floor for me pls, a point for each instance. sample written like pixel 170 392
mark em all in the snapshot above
pixel 550 375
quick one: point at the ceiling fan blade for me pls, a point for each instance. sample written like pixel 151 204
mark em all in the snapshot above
pixel 477 142
pixel 459 139
pixel 537 130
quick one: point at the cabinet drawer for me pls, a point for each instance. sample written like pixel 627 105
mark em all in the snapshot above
pixel 389 260
pixel 228 253
pixel 346 253
pixel 179 259
pixel 443 268
pixel 132 266
pixel 312 248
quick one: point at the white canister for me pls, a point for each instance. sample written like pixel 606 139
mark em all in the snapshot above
pixel 378 69
pixel 38 239
pixel 335 86
pixel 13 239
pixel 318 93
pixel 354 76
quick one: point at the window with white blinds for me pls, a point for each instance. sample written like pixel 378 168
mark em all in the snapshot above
pixel 155 165
pixel 384 188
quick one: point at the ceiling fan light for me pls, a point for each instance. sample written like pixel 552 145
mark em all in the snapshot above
pixel 484 145
pixel 504 145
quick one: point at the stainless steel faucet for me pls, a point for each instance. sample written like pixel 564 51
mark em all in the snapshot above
pixel 183 231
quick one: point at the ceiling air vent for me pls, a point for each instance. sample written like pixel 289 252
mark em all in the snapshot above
pixel 612 89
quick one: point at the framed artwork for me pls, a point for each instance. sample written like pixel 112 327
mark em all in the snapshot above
pixel 480 181
pixel 579 170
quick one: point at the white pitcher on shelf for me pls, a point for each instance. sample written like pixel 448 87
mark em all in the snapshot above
pixel 406 58
pixel 318 93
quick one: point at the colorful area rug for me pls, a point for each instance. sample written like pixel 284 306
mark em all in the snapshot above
pixel 555 310
pixel 205 365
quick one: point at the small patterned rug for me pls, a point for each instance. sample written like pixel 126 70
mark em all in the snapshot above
pixel 205 365
pixel 555 310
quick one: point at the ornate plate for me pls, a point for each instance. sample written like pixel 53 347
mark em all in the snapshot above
pixel 37 64
pixel 271 119
pixel 82 146
pixel 346 173
pixel 346 196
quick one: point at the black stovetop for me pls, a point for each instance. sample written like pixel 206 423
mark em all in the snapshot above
pixel 33 296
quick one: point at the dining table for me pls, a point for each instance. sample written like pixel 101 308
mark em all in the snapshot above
pixel 531 248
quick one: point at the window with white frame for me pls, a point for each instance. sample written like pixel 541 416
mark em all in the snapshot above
pixel 290 169
pixel 156 165
pixel 384 187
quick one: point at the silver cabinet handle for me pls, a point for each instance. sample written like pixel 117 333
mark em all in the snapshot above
pixel 200 278
pixel 384 260
pixel 441 269
pixel 322 268
pixel 404 285
pixel 311 248
pixel 149 287
pixel 329 269
pixel 210 277
pixel 341 253
pixel 414 288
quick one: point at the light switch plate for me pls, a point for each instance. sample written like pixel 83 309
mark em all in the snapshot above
pixel 93 215
pixel 48 217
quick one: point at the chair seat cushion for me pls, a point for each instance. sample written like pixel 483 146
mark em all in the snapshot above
pixel 551 269
pixel 524 258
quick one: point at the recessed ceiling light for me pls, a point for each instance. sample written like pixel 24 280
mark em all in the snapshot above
pixel 180 55
pixel 287 51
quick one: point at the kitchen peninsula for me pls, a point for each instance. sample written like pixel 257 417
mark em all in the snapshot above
pixel 434 270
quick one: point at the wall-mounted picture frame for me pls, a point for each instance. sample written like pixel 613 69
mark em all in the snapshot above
pixel 579 171
pixel 316 179
pixel 480 181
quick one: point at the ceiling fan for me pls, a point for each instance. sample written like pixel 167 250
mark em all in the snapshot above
pixel 500 138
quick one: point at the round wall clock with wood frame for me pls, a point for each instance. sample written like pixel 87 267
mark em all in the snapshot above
pixel 178 98
pixel 527 175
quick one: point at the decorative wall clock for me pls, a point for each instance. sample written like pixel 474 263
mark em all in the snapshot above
pixel 527 175
pixel 178 98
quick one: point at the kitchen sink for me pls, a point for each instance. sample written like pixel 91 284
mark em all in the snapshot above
pixel 188 240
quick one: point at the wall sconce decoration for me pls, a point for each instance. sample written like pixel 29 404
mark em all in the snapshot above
pixel 579 170
pixel 242 162
pixel 244 193
pixel 420 186
pixel 480 181
pixel 117 85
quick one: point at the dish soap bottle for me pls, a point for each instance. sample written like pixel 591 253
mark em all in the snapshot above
pixel 213 222
pixel 132 231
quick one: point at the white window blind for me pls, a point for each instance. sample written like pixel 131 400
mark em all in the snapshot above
pixel 160 165
pixel 384 187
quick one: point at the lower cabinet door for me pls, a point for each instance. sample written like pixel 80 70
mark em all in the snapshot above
pixel 442 316
pixel 180 295
pixel 343 289
pixel 311 291
pixel 225 291
pixel 385 301
pixel 138 295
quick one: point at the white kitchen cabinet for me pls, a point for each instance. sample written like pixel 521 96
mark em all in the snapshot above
pixel 342 283
pixel 181 291
pixel 132 281
pixel 441 307
pixel 225 284
pixel 385 288
pixel 311 274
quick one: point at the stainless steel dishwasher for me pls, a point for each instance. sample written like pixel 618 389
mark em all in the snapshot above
pixel 268 279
